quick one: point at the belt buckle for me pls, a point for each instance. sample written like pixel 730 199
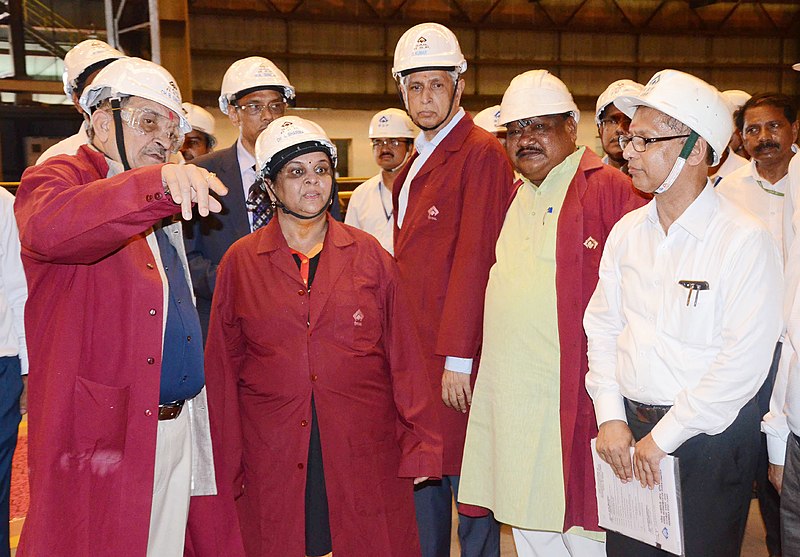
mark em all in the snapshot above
pixel 170 411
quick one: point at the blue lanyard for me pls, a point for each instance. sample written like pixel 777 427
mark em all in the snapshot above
pixel 383 206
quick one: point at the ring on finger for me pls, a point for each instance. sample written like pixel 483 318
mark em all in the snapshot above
pixel 210 175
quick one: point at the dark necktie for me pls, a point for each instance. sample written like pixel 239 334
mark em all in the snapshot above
pixel 259 203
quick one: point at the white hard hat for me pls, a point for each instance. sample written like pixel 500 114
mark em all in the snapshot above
pixel 286 138
pixel 427 46
pixel 392 122
pixel 616 89
pixel 736 97
pixel 796 67
pixel 83 56
pixel 536 93
pixel 252 74
pixel 488 119
pixel 201 120
pixel 134 77
pixel 689 100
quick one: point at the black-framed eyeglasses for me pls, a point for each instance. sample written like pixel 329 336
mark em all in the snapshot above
pixel 276 108
pixel 640 143
pixel 390 142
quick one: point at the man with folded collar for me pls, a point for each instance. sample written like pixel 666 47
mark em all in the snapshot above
pixel 684 320
pixel 119 429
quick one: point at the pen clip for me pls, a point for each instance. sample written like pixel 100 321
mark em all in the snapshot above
pixel 693 286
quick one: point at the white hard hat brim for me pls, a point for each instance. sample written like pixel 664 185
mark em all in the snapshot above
pixel 526 109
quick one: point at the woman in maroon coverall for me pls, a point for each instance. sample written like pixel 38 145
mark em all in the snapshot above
pixel 324 417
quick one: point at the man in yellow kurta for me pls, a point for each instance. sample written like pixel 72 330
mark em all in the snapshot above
pixel 527 455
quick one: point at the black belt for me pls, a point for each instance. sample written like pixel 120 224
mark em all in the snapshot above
pixel 171 410
pixel 646 413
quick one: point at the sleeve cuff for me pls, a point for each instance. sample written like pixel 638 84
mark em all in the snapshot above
pixel 776 448
pixel 669 434
pixel 459 365
pixel 609 407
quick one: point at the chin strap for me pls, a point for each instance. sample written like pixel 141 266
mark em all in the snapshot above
pixel 680 162
pixel 115 110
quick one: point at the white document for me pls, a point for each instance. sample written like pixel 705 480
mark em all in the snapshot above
pixel 653 516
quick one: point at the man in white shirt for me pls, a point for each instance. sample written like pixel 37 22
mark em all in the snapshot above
pixel 685 316
pixel 612 122
pixel 782 423
pixel 13 353
pixel 81 64
pixel 769 126
pixel 392 133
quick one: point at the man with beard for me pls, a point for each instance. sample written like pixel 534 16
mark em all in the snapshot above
pixel 254 92
pixel 119 431
pixel 200 141
pixel 533 358
pixel 612 123
pixel 392 133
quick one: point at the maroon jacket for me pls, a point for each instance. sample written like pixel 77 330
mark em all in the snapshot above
pixel 597 198
pixel 349 343
pixel 456 207
pixel 94 328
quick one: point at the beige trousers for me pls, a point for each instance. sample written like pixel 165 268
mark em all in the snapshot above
pixel 171 488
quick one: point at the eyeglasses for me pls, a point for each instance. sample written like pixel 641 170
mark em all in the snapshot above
pixel 616 121
pixel 276 108
pixel 391 142
pixel 640 143
pixel 146 122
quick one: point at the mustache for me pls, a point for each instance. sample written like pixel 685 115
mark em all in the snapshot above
pixel 390 153
pixel 767 145
pixel 158 151
pixel 529 150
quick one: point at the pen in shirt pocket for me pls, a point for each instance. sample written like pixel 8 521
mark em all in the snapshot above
pixel 693 286
pixel 548 212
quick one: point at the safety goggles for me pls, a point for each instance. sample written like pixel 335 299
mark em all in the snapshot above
pixel 146 122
